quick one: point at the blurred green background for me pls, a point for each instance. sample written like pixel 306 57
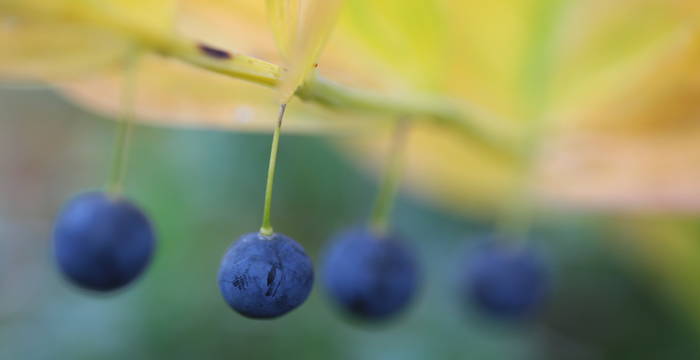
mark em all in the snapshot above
pixel 203 189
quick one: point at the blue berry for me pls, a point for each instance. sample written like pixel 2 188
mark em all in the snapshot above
pixel 370 277
pixel 504 281
pixel 101 242
pixel 265 277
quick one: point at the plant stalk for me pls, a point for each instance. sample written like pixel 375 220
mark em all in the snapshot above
pixel 120 158
pixel 266 228
pixel 386 197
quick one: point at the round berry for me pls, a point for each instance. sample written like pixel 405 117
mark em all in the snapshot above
pixel 370 277
pixel 101 242
pixel 504 281
pixel 265 277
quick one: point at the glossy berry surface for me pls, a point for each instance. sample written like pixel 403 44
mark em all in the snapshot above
pixel 265 277
pixel 370 278
pixel 102 243
pixel 504 281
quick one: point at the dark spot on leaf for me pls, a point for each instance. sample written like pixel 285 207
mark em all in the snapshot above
pixel 213 52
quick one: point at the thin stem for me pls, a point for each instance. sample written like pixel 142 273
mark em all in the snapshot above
pixel 266 228
pixel 535 82
pixel 467 120
pixel 384 202
pixel 516 222
pixel 121 146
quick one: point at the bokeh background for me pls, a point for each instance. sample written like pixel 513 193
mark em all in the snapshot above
pixel 204 188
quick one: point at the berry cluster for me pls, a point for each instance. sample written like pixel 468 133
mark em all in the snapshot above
pixel 104 242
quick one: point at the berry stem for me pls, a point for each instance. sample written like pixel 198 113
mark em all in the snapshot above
pixel 121 148
pixel 520 212
pixel 386 196
pixel 266 228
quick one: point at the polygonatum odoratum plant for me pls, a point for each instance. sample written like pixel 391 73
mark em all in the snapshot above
pixel 503 109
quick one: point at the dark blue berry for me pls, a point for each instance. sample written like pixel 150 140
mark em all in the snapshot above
pixel 265 277
pixel 504 281
pixel 101 242
pixel 370 277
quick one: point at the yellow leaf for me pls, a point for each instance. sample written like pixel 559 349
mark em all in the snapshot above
pixel 54 50
pixel 54 39
pixel 634 153
pixel 284 20
pixel 615 83
pixel 316 22
pixel 631 65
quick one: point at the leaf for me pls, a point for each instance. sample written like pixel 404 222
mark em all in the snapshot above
pixel 284 20
pixel 150 15
pixel 632 154
pixel 54 50
pixel 614 83
pixel 233 25
pixel 56 39
pixel 608 49
pixel 316 23
pixel 647 81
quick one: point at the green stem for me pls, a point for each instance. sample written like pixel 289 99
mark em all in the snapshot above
pixel 121 147
pixel 266 228
pixel 383 205
pixel 472 122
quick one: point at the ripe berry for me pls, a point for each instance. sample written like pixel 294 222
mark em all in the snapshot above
pixel 102 243
pixel 370 277
pixel 504 281
pixel 265 277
